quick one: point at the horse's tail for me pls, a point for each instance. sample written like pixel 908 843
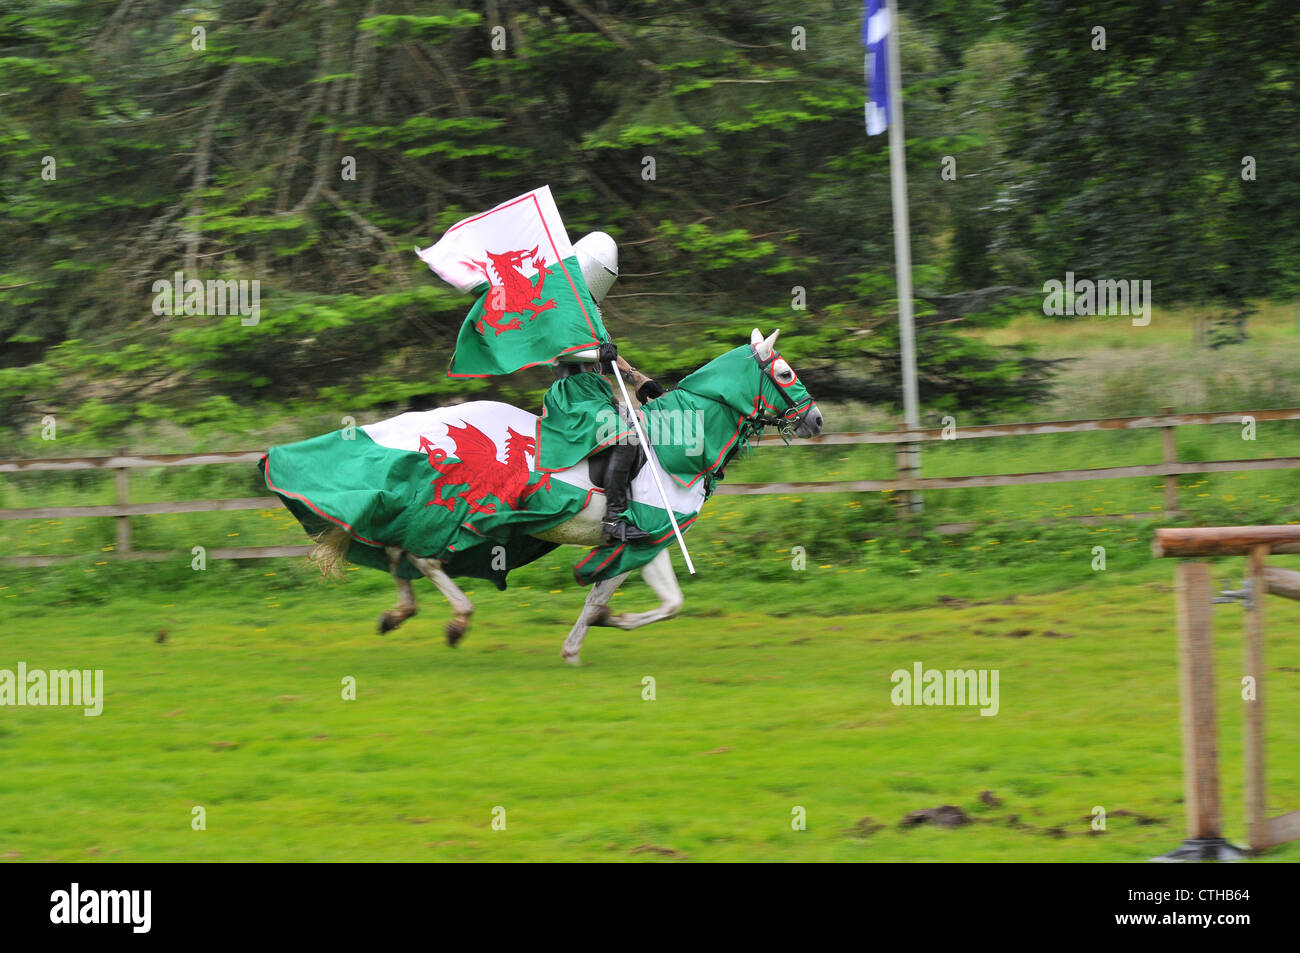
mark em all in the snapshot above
pixel 331 552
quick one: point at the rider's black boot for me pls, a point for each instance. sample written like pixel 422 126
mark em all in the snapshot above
pixel 618 477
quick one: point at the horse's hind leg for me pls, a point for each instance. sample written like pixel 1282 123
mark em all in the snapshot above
pixel 659 575
pixel 405 607
pixel 593 613
pixel 460 604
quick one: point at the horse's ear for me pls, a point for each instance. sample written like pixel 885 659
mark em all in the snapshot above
pixel 756 337
pixel 761 347
pixel 770 344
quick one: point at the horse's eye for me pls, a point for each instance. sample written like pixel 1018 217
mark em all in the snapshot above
pixel 783 372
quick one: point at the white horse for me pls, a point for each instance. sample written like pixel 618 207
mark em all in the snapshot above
pixel 584 529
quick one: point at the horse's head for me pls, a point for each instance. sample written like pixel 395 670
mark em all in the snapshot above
pixel 781 393
pixel 759 384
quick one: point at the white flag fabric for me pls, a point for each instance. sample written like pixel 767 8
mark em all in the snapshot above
pixel 533 306
pixel 529 221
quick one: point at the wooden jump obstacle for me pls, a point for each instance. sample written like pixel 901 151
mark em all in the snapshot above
pixel 1196 679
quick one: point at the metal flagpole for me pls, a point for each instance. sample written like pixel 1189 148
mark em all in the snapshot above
pixel 902 250
pixel 654 465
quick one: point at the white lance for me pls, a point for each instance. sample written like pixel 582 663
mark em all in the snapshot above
pixel 654 466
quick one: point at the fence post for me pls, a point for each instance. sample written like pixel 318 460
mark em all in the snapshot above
pixel 123 498
pixel 908 501
pixel 1205 839
pixel 1170 455
pixel 1253 722
pixel 1196 677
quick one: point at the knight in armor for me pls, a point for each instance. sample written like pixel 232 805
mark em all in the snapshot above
pixel 580 406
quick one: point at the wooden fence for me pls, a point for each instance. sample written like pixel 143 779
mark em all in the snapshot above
pixel 1170 468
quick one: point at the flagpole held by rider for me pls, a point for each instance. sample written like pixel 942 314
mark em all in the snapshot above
pixel 654 470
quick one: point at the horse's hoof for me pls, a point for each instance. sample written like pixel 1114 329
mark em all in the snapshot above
pixel 456 631
pixel 571 659
pixel 387 624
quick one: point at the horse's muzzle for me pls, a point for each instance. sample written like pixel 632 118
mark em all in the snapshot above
pixel 810 423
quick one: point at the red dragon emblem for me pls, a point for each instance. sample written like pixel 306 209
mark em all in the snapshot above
pixel 512 292
pixel 476 464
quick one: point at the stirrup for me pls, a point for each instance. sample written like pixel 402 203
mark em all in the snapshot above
pixel 621 531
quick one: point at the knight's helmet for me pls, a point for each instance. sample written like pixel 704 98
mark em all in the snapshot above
pixel 598 258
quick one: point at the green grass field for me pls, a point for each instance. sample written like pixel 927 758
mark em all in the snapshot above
pixel 766 700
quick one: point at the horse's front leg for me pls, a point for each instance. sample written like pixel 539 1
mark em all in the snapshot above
pixel 405 607
pixel 593 612
pixel 659 575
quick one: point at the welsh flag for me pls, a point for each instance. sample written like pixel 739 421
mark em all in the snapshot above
pixel 533 304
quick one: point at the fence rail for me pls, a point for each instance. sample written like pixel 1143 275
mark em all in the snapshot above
pixel 131 461
pixel 1047 426
pixel 1018 479
pixel 1169 469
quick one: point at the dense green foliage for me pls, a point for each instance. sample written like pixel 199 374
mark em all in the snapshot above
pixel 1175 154
pixel 227 161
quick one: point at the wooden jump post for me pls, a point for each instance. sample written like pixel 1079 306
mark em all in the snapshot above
pixel 1196 680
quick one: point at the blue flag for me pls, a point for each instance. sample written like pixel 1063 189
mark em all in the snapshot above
pixel 875 36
